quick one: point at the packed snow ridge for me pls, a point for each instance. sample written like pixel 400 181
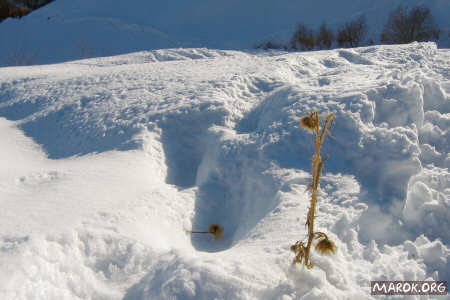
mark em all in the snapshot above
pixel 107 162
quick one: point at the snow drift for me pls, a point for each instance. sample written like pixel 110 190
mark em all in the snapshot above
pixel 107 162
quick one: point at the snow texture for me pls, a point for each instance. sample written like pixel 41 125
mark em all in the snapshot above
pixel 107 162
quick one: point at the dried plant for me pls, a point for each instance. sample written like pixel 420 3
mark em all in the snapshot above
pixel 325 246
pixel 311 123
pixel 307 123
pixel 214 229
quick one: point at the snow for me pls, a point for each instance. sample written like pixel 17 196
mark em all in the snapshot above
pixel 73 29
pixel 107 162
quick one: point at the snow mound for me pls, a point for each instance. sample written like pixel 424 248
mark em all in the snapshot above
pixel 108 163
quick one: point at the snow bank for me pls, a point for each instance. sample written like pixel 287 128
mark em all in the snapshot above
pixel 136 149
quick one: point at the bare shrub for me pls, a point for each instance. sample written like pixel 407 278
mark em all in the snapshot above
pixel 86 50
pixel 269 45
pixel 303 38
pixel 21 55
pixel 406 25
pixel 325 37
pixel 351 34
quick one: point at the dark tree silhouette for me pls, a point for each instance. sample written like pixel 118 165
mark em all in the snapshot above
pixel 4 9
pixel 407 25
pixel 303 38
pixel 32 4
pixel 12 10
pixel 351 34
pixel 325 37
pixel 19 8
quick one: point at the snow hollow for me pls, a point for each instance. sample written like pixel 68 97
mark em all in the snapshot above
pixel 107 162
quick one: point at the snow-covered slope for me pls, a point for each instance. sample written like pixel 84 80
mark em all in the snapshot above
pixel 73 29
pixel 107 162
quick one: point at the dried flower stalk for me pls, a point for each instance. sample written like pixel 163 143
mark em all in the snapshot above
pixel 311 123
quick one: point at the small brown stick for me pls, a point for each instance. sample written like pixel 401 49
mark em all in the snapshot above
pixel 214 229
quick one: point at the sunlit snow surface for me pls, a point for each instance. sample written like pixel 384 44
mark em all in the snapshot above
pixel 105 163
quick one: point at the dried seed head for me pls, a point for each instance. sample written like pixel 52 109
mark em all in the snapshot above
pixel 308 123
pixel 299 250
pixel 294 248
pixel 326 247
pixel 216 230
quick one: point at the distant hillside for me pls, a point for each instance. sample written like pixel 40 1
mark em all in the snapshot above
pixel 74 29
